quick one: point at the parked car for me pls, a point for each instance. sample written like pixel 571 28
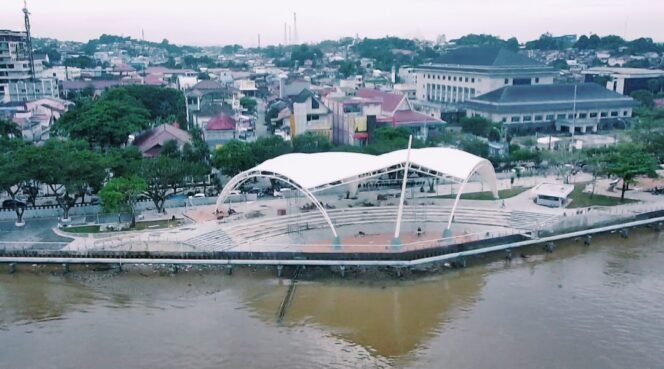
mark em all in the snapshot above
pixel 235 192
pixel 12 204
pixel 199 195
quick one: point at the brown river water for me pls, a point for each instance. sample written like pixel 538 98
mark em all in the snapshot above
pixel 581 307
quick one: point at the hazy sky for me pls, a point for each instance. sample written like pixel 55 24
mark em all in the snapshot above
pixel 210 22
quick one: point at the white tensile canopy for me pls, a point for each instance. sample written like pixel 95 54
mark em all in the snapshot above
pixel 311 173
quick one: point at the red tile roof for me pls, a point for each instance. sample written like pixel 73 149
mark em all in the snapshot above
pixel 389 102
pixel 151 141
pixel 221 122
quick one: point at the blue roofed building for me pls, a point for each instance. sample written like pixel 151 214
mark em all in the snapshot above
pixel 579 108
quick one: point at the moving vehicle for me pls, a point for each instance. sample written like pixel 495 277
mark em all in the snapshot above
pixel 12 204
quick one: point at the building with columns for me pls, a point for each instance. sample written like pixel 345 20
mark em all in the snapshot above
pixel 579 108
pixel 464 73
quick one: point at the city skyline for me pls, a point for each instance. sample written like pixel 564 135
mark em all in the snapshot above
pixel 213 23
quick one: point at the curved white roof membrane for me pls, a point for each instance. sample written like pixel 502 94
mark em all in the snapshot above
pixel 315 170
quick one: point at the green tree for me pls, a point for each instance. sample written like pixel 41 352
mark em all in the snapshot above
pixel 388 139
pixel 233 157
pixel 645 97
pixel 649 131
pixel 164 176
pixel 105 123
pixel 9 129
pixel 311 142
pixel 268 147
pixel 121 194
pixel 14 175
pixel 475 146
pixel 627 162
pixel 70 170
pixel 248 104
pixel 170 149
pixel 477 126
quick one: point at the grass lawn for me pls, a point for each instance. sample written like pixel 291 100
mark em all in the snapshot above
pixel 152 224
pixel 502 194
pixel 157 224
pixel 581 199
pixel 82 229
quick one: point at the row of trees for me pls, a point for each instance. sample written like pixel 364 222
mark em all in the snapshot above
pixel 71 171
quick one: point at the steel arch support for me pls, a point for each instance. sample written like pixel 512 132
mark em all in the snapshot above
pixel 482 167
pixel 245 176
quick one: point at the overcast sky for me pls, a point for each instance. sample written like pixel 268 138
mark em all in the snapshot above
pixel 219 22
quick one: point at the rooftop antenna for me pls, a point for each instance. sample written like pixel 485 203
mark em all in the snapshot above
pixel 28 39
pixel 143 34
pixel 259 41
pixel 295 28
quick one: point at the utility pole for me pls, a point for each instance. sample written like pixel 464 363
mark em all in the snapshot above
pixel 28 40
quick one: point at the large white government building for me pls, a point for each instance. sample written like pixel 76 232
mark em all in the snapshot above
pixel 464 73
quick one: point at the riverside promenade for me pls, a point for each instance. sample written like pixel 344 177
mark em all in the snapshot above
pixel 255 235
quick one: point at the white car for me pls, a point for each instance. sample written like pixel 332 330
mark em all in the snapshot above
pixel 199 195
pixel 235 192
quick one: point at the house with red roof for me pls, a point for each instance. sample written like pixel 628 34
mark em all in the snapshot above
pixel 220 129
pixel 397 111
pixel 151 141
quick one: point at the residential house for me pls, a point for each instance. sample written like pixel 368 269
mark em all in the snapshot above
pixel 219 130
pixel 309 114
pixel 151 141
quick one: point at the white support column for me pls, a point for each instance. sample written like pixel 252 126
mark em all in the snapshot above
pixel 396 241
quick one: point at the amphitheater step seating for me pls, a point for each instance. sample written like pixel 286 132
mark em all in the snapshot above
pixel 247 231
pixel 529 220
pixel 216 240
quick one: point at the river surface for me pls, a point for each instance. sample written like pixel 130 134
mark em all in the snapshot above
pixel 582 307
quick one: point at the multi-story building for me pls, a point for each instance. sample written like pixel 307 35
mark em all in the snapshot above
pixel 625 80
pixel 574 108
pixel 31 90
pixel 353 119
pixel 310 115
pixel 14 59
pixel 16 83
pixel 464 73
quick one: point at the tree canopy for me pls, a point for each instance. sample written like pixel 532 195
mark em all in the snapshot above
pixel 629 161
pixel 9 129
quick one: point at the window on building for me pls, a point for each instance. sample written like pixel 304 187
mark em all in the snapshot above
pixel 536 80
pixel 515 119
pixel 625 113
pixel 560 116
pixel 507 81
pixel 550 117
pixel 472 92
pixel 503 120
pixel 466 80
pixel 570 116
pixel 315 104
pixel 521 81
pixel 614 113
pixel 454 79
pixel 527 118
pixel 472 80
pixel 593 115
pixel 583 115
pixel 538 118
pixel 603 114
